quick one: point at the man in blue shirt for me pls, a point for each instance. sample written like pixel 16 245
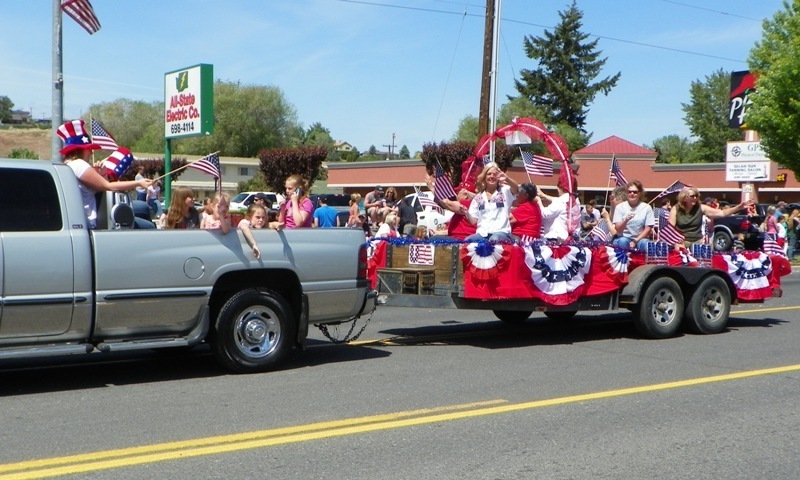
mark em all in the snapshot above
pixel 325 216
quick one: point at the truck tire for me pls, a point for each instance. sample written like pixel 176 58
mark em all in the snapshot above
pixel 722 241
pixel 254 331
pixel 560 316
pixel 512 316
pixel 709 307
pixel 660 309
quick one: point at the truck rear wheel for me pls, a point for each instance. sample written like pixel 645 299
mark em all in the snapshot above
pixel 254 331
pixel 660 309
pixel 709 307
pixel 722 241
pixel 512 316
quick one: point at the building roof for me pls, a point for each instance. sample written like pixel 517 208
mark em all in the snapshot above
pixel 615 145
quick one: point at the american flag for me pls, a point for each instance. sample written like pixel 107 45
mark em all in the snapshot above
pixel 208 164
pixel 674 188
pixel 82 12
pixel 487 159
pixel 669 234
pixel 442 188
pixel 662 216
pixel 616 173
pixel 771 246
pixel 420 254
pixel 600 231
pixel 537 164
pixel 102 138
pixel 426 201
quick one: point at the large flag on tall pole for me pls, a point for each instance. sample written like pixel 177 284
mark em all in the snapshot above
pixel 82 12
pixel 616 173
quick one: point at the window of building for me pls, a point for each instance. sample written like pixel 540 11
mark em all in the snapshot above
pixel 30 201
pixel 244 171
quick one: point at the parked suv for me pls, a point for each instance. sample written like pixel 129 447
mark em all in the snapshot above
pixel 730 228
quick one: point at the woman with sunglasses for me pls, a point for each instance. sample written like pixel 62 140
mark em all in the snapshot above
pixel 633 219
pixel 687 214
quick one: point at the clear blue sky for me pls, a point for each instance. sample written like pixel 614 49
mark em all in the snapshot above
pixel 368 69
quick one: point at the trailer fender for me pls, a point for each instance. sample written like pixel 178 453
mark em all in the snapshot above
pixel 687 278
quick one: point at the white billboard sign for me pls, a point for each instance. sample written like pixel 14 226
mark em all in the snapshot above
pixel 746 162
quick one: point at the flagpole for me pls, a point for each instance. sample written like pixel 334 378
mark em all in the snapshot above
pixel 523 166
pixel 57 113
pixel 185 166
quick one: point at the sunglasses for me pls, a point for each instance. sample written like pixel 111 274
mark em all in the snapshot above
pixel 633 192
pixel 692 196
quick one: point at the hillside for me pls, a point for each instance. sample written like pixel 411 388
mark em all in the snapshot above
pixel 37 141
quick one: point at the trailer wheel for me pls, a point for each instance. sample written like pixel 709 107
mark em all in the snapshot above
pixel 512 316
pixel 560 316
pixel 660 311
pixel 254 331
pixel 709 307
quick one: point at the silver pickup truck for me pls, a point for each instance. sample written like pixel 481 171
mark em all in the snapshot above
pixel 66 289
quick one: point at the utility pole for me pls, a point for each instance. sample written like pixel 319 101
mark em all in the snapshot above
pixel 391 147
pixel 488 34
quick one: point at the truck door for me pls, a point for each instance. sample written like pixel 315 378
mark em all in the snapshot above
pixel 36 266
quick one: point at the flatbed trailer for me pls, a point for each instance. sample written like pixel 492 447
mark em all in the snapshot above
pixel 664 290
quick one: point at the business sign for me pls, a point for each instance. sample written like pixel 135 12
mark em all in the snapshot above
pixel 743 84
pixel 189 102
pixel 747 162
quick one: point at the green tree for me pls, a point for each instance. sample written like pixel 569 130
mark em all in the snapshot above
pixel 404 152
pixel 318 136
pixel 567 66
pixel 673 149
pixel 707 117
pixel 467 130
pixel 372 150
pixel 775 112
pixel 247 119
pixel 255 184
pixel 5 108
pixel 521 107
pixel 134 124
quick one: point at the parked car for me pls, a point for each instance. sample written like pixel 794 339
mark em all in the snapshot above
pixel 339 201
pixel 243 200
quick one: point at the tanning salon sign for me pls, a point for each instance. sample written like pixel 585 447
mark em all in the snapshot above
pixel 189 102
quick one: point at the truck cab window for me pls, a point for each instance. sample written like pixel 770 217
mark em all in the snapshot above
pixel 29 202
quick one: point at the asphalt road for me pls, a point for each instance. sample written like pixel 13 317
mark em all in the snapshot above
pixel 428 394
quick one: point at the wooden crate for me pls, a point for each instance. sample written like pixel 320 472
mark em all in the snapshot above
pixel 443 258
pixel 409 280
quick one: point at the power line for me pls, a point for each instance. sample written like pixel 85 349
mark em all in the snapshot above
pixel 710 10
pixel 520 22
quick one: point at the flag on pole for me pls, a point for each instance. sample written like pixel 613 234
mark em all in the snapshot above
pixel 674 188
pixel 669 234
pixel 208 164
pixel 101 137
pixel 537 164
pixel 487 159
pixel 616 173
pixel 442 188
pixel 426 201
pixel 82 12
pixel 662 216
pixel 600 231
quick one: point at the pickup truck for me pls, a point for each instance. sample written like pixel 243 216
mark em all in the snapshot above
pixel 66 289
pixel 733 227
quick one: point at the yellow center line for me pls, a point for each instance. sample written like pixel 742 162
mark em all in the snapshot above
pixel 109 459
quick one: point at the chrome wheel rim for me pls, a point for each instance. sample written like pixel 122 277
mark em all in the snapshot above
pixel 257 331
